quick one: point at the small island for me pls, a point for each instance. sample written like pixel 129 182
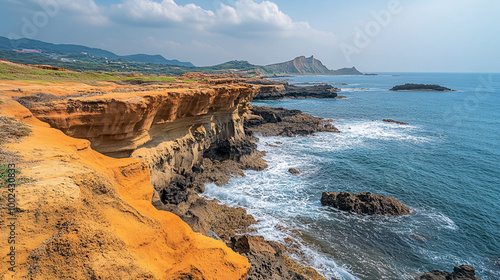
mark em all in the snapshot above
pixel 420 87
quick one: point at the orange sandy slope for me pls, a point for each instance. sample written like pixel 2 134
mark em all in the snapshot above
pixel 87 215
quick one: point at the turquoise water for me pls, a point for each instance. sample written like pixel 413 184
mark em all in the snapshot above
pixel 444 166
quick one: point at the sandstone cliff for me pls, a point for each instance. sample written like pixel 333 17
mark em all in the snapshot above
pixel 184 134
pixel 88 216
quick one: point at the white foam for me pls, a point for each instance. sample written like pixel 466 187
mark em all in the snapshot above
pixel 277 198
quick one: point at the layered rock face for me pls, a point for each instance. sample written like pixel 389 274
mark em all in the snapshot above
pixel 188 136
pixel 118 123
pixel 365 203
pixel 84 215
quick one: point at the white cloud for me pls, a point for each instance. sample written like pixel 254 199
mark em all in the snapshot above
pixel 160 14
pixel 246 17
pixel 86 11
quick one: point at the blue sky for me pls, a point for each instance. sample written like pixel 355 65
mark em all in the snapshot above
pixel 375 35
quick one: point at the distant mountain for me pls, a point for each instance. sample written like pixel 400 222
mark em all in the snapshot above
pixel 306 65
pixel 68 49
pixel 240 65
pixel 300 65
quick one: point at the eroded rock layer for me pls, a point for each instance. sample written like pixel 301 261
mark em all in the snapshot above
pixel 188 134
pixel 118 123
pixel 83 215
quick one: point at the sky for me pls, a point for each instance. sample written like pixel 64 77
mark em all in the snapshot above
pixel 373 36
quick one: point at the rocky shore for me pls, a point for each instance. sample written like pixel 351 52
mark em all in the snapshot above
pixel 188 135
pixel 133 210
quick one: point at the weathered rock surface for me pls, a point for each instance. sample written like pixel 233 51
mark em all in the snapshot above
pixel 283 91
pixel 463 272
pixel 119 123
pixel 268 121
pixel 365 203
pixel 420 87
pixel 89 216
pixel 267 258
pixel 188 136
pixel 294 171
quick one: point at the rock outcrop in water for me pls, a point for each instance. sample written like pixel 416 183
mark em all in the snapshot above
pixel 393 121
pixel 365 203
pixel 267 121
pixel 420 87
pixel 463 272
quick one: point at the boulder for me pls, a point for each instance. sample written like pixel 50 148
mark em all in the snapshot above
pixel 463 272
pixel 365 203
pixel 294 171
pixel 267 258
pixel 393 121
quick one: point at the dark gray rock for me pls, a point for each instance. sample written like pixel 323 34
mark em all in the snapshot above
pixel 268 121
pixel 365 203
pixel 463 272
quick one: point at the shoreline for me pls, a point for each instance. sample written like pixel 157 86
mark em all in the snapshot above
pixel 221 159
pixel 217 170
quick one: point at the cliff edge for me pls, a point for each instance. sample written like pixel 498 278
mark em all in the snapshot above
pixel 84 215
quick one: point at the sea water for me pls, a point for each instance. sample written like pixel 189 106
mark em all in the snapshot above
pixel 445 166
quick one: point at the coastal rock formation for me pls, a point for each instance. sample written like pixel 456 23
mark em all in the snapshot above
pixel 393 121
pixel 88 216
pixel 463 272
pixel 365 203
pixel 267 258
pixel 186 140
pixel 268 121
pixel 282 91
pixel 306 65
pixel 420 87
pixel 299 65
pixel 293 171
pixel 119 123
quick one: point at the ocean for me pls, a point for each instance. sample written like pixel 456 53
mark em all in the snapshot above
pixel 445 166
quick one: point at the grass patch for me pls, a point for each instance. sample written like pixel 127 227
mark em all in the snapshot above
pixel 11 129
pixel 4 175
pixel 14 72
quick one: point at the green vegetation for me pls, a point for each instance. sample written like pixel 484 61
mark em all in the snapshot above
pixel 11 128
pixel 4 175
pixel 86 63
pixel 17 72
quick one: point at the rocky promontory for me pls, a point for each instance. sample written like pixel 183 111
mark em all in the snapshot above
pixel 420 87
pixel 282 91
pixel 463 272
pixel 365 203
pixel 267 121
pixel 87 215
